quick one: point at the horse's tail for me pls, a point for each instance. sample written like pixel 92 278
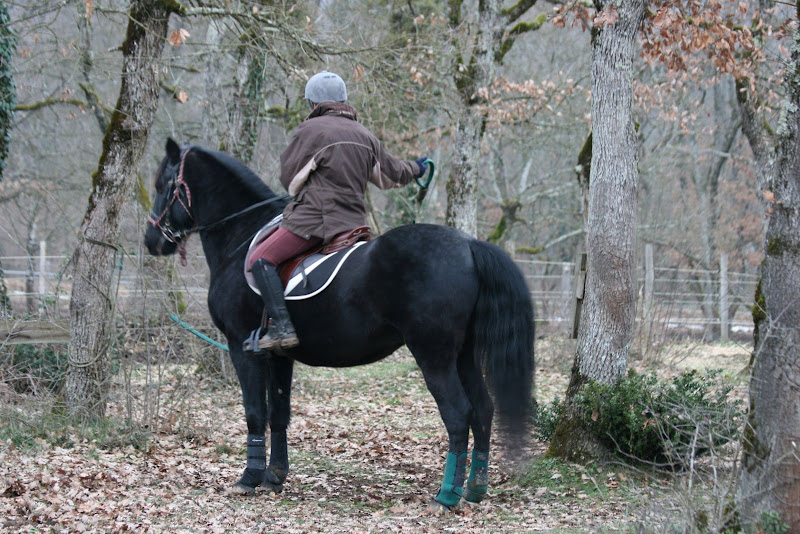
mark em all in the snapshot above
pixel 503 336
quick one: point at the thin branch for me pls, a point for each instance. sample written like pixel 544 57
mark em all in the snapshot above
pixel 514 12
pixel 51 102
pixel 518 29
pixel 554 242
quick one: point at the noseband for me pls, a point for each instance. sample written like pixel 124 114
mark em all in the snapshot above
pixel 173 236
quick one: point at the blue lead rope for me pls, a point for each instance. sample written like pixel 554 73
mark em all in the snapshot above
pixel 199 334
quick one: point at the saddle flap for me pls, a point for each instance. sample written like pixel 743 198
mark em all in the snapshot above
pixel 325 261
pixel 311 276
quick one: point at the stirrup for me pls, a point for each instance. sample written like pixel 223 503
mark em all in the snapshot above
pixel 259 341
pixel 251 343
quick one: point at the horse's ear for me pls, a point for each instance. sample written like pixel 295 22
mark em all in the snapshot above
pixel 173 150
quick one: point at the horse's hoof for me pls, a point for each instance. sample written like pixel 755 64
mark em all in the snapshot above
pixel 274 488
pixel 242 489
pixel 475 494
pixel 438 507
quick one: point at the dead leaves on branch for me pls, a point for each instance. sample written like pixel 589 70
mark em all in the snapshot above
pixel 358 73
pixel 607 17
pixel 178 37
pixel 678 33
pixel 699 39
pixel 506 102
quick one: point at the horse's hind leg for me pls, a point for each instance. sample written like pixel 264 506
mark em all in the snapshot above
pixel 480 420
pixel 441 377
pixel 279 391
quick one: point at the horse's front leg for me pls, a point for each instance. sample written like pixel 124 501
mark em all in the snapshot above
pixel 279 391
pixel 253 373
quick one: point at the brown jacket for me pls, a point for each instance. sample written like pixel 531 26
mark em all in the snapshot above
pixel 326 168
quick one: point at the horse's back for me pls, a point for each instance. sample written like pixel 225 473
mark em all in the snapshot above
pixel 416 280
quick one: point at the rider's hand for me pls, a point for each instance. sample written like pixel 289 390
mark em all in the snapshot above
pixel 423 166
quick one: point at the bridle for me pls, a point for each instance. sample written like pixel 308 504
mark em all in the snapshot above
pixel 162 223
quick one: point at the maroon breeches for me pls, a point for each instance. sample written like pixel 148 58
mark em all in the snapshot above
pixel 281 246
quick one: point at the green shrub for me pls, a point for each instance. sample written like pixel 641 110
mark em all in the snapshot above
pixel 34 368
pixel 545 418
pixel 771 523
pixel 662 422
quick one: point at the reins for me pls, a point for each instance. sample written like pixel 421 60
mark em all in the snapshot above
pixel 172 236
pixel 238 213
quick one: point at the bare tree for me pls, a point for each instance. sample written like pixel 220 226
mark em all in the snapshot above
pixel 7 102
pixel 609 308
pixel 113 182
pixel 706 182
pixel 473 74
pixel 770 478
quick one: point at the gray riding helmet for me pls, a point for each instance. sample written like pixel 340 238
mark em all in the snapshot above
pixel 325 86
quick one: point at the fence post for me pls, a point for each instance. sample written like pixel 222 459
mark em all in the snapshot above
pixel 577 295
pixel 649 282
pixel 567 292
pixel 42 268
pixel 723 298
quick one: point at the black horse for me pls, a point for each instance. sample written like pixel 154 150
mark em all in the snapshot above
pixel 460 306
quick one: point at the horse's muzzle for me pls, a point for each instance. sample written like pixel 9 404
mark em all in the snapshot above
pixel 157 244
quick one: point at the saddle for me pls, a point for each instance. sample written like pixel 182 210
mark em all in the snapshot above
pixel 307 274
pixel 339 242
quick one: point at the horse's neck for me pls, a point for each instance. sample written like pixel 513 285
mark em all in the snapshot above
pixel 223 244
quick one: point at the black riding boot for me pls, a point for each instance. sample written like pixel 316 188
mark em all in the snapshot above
pixel 280 334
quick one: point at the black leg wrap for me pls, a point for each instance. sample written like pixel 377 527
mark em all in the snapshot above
pixel 279 455
pixel 256 452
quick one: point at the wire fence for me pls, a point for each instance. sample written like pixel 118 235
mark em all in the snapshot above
pixel 682 299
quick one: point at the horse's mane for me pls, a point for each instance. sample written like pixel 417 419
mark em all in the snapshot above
pixel 250 180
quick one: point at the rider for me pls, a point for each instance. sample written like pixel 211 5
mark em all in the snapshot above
pixel 325 168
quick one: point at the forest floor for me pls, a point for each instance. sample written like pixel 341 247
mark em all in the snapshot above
pixel 366 447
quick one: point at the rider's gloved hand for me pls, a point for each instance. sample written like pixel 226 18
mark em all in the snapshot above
pixel 422 165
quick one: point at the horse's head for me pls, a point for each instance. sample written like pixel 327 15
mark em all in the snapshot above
pixel 171 218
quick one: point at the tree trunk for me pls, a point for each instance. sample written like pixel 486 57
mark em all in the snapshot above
pixel 462 183
pixel 113 182
pixel 87 64
pixel 707 186
pixel 770 476
pixel 609 305
pixel 8 99
pixel 213 120
pixel 32 247
pixel 246 111
pixel 5 301
pixel 471 80
pixel 8 91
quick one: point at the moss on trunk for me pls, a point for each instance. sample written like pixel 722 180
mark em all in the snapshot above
pixel 573 440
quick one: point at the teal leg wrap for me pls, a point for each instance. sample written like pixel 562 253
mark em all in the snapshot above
pixel 478 481
pixel 454 470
